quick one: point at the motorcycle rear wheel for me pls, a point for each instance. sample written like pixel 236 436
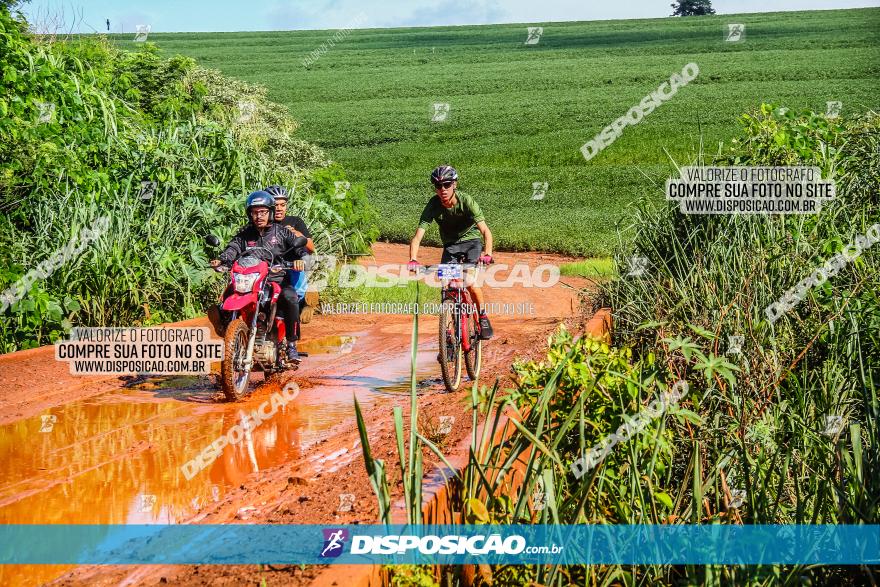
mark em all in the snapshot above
pixel 235 380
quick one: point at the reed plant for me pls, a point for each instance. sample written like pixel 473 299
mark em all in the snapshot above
pixel 783 432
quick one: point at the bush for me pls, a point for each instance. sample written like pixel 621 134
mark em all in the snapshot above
pixel 751 442
pixel 116 120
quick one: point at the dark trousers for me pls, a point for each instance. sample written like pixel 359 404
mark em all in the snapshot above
pixel 288 304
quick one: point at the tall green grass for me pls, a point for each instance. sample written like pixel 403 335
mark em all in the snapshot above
pixel 121 119
pixel 757 428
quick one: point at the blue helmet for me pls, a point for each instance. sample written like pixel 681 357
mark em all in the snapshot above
pixel 260 198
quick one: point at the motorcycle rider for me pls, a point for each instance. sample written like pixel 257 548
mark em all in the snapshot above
pixel 263 231
pixel 296 277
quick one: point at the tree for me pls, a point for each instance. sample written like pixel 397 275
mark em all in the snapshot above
pixel 8 5
pixel 692 8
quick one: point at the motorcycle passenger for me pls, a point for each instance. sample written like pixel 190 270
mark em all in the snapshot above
pixel 262 231
pixel 296 277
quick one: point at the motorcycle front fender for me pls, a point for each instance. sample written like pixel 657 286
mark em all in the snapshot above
pixel 238 301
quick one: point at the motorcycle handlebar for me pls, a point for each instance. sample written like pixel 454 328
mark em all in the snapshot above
pixel 278 268
pixel 298 243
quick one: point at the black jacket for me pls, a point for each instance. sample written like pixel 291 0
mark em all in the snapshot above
pixel 297 223
pixel 275 238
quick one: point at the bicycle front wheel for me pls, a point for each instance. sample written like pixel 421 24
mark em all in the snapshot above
pixel 450 354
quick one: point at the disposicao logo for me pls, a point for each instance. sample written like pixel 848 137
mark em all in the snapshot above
pixel 334 541
pixel 472 545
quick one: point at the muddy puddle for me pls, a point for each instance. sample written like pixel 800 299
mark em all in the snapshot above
pixel 338 345
pixel 121 457
pixel 117 458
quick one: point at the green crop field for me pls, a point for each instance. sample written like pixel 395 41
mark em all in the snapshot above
pixel 519 113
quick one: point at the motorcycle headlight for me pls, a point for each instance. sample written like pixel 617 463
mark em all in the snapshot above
pixel 244 283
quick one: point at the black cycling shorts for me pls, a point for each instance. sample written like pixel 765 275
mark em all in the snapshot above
pixel 472 248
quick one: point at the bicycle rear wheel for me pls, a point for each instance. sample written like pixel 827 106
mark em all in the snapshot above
pixel 473 358
pixel 450 348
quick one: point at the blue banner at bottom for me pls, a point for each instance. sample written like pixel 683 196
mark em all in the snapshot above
pixel 449 545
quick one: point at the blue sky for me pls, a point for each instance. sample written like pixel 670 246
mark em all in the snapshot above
pixel 255 15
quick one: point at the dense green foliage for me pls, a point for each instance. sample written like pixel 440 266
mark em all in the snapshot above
pixel 714 276
pixel 117 119
pixel 750 442
pixel 520 113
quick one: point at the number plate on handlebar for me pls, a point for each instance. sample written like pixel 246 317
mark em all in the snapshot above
pixel 449 271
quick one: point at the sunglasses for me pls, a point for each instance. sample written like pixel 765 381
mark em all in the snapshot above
pixel 444 184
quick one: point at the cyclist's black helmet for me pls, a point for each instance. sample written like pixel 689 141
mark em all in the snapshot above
pixel 444 173
pixel 276 191
pixel 260 198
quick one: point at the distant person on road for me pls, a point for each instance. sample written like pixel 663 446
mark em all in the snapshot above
pixel 296 278
pixel 461 224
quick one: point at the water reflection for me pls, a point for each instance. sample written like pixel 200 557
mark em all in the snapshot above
pixel 116 459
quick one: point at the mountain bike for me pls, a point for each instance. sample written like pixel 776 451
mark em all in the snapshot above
pixel 459 328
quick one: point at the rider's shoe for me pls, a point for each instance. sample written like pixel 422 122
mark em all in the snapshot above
pixel 307 307
pixel 292 353
pixel 216 318
pixel 305 312
pixel 485 328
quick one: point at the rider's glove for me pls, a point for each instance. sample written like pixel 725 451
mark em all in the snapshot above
pixel 413 265
pixel 218 266
pixel 485 259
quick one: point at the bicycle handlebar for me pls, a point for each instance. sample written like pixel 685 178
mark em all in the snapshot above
pixel 463 265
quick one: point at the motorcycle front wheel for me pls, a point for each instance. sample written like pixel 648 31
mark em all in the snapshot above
pixel 234 377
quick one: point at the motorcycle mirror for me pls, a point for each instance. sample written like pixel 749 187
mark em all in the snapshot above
pixel 212 240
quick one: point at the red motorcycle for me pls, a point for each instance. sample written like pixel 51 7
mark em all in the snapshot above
pixel 255 338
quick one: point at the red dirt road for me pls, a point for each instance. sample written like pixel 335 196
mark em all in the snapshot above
pixel 109 450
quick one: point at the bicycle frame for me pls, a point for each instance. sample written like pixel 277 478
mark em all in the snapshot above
pixel 459 297
pixel 460 340
pixel 456 293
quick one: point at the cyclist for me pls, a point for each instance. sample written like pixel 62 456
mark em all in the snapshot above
pixel 461 224
pixel 296 277
pixel 263 231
